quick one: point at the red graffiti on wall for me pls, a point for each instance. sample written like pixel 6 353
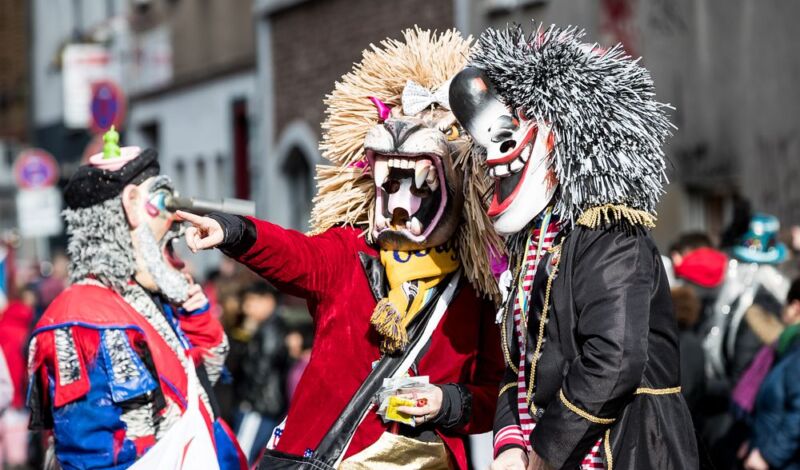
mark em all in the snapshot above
pixel 618 23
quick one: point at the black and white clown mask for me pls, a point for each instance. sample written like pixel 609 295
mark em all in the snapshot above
pixel 518 150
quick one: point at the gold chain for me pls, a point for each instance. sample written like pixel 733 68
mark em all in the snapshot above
pixel 657 391
pixel 504 342
pixel 506 387
pixel 607 445
pixel 583 414
pixel 556 250
pixel 503 332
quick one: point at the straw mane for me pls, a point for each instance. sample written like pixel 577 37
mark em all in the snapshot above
pixel 346 193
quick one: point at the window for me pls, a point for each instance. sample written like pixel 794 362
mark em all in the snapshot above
pixel 299 175
pixel 202 177
pixel 151 133
pixel 497 6
pixel 180 177
pixel 221 173
pixel 241 149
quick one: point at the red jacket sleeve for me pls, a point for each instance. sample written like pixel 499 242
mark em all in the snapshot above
pixel 487 373
pixel 301 265
pixel 209 343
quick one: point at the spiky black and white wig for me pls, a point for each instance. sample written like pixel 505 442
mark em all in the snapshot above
pixel 609 129
pixel 100 244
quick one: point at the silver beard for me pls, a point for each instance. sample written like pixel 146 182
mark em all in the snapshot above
pixel 100 244
pixel 172 284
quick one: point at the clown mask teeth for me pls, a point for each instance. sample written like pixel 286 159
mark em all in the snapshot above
pixel 421 170
pixel 407 188
pixel 381 171
pixel 415 226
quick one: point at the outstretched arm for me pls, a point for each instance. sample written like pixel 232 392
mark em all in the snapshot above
pixel 301 265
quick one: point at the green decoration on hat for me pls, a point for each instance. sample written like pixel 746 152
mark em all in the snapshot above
pixel 111 144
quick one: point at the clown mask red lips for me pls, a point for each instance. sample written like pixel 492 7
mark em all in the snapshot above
pixel 169 249
pixel 530 159
pixel 518 150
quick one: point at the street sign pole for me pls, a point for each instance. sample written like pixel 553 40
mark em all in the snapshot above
pixel 38 200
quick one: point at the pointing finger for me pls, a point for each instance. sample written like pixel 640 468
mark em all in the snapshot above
pixel 189 236
pixel 189 217
pixel 209 242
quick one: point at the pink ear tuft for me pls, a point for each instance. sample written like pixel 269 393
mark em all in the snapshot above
pixel 383 110
pixel 358 164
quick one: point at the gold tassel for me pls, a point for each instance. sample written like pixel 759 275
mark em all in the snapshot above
pixel 388 321
pixel 596 216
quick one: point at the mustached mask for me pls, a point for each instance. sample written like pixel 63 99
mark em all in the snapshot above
pixel 518 150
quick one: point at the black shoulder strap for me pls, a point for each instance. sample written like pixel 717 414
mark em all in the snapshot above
pixel 335 441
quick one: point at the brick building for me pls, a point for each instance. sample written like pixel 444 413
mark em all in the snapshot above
pixel 738 125
pixel 14 95
pixel 304 47
pixel 187 68
pixel 729 68
pixel 198 113
pixel 14 85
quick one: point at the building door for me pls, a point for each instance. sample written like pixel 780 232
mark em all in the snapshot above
pixel 241 150
pixel 298 173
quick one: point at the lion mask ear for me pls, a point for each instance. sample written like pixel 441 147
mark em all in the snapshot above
pixel 384 110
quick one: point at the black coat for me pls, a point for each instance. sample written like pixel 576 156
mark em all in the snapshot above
pixel 260 366
pixel 776 423
pixel 610 362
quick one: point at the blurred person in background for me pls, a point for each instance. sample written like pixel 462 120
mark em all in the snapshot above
pixel 6 389
pixel 693 375
pixel 697 264
pixel 123 360
pixel 775 437
pixel 298 344
pixel 226 283
pixel 54 279
pixel 6 397
pixel 753 278
pixel 742 321
pixel 261 363
pixel 15 328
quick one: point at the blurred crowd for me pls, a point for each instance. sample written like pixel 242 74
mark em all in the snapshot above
pixel 737 304
pixel 270 344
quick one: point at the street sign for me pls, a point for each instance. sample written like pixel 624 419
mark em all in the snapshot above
pixel 39 212
pixel 82 65
pixel 35 168
pixel 107 106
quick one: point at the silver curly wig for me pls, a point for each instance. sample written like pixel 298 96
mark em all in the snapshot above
pixel 100 244
pixel 609 129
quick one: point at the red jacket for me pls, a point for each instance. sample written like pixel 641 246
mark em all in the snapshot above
pixel 85 336
pixel 326 271
pixel 15 326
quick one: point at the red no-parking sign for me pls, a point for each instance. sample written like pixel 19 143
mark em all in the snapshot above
pixel 38 200
pixel 35 168
pixel 108 106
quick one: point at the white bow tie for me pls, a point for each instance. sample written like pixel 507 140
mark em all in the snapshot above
pixel 416 97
